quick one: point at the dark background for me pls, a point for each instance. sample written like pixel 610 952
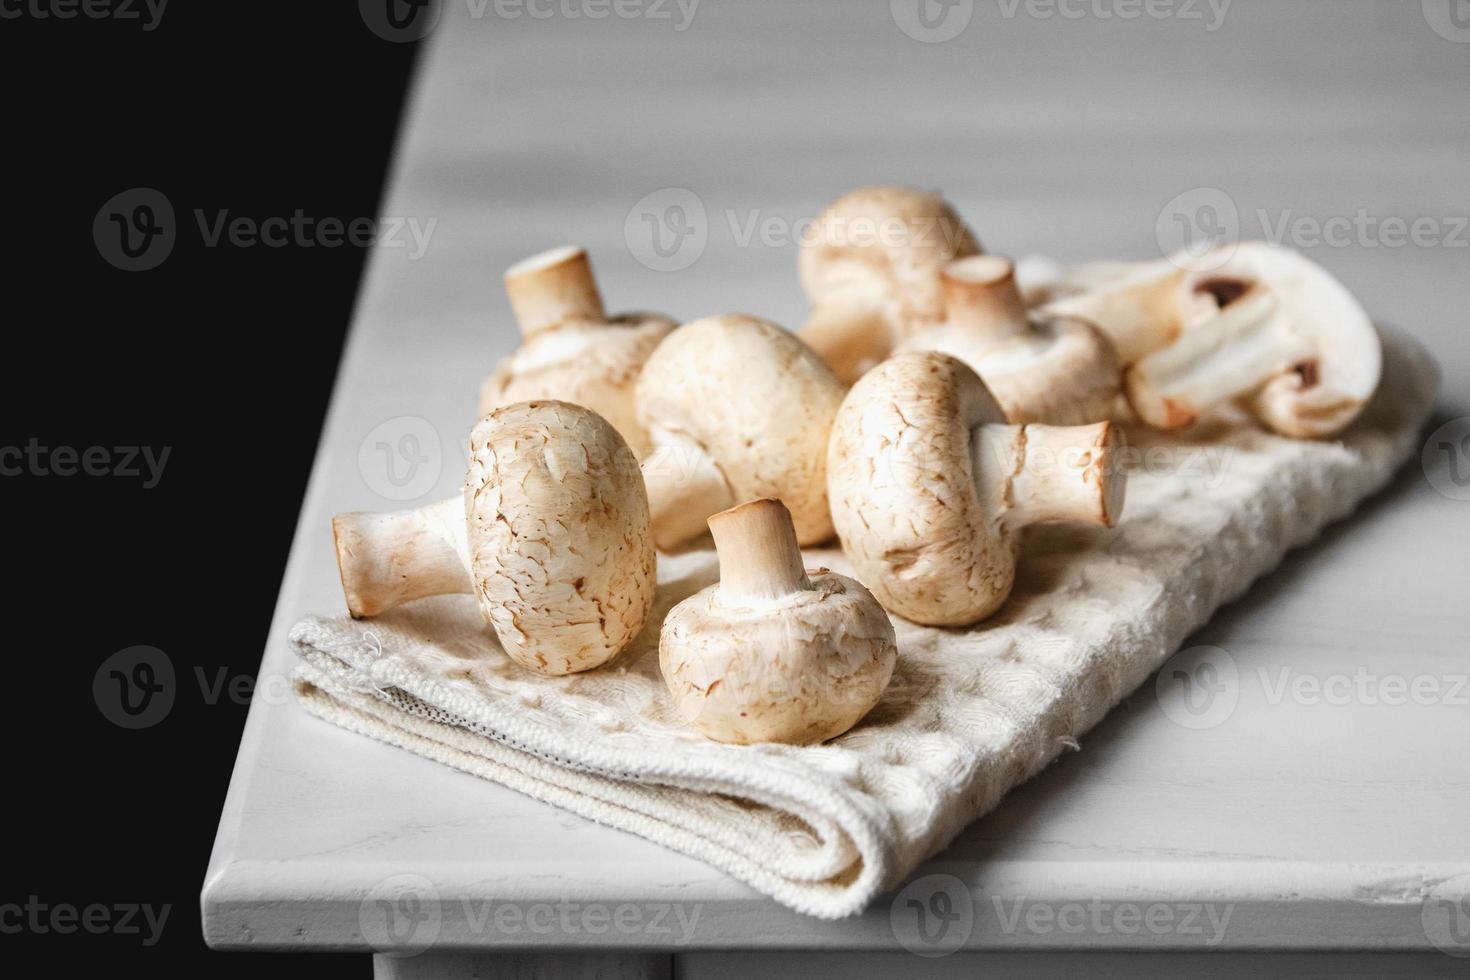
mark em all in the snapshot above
pixel 221 353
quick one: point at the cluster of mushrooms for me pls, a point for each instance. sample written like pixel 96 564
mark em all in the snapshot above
pixel 929 410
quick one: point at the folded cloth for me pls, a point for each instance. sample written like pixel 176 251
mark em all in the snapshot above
pixel 969 713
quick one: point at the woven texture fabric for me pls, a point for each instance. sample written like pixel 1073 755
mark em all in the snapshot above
pixel 969 713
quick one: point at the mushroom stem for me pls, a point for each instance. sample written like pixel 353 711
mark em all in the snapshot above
pixel 552 287
pixel 850 338
pixel 982 299
pixel 759 557
pixel 1052 472
pixel 1232 352
pixel 685 486
pixel 388 559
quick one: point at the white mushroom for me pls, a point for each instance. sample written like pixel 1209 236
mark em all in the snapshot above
pixel 736 408
pixel 930 487
pixel 1264 326
pixel 870 269
pixel 551 534
pixel 571 350
pixel 1059 370
pixel 774 653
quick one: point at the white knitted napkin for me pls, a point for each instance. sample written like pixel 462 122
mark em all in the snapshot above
pixel 969 714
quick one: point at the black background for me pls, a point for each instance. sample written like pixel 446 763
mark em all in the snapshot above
pixel 224 354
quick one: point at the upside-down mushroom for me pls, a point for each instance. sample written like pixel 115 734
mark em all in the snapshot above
pixel 571 350
pixel 1264 326
pixel 931 488
pixel 736 408
pixel 551 535
pixel 870 269
pixel 774 652
pixel 1060 370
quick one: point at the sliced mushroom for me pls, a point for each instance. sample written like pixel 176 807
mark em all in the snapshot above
pixel 736 408
pixel 870 269
pixel 930 487
pixel 1264 326
pixel 551 535
pixel 774 653
pixel 571 350
pixel 1059 370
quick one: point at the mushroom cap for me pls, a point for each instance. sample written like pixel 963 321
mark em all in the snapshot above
pixel 1064 372
pixel 906 499
pixel 559 543
pixel 800 669
pixel 883 247
pixel 1319 397
pixel 758 401
pixel 585 362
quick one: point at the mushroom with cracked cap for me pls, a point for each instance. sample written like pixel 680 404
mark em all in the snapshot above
pixel 931 487
pixel 550 535
pixel 736 408
pixel 774 652
pixel 1252 323
pixel 571 350
pixel 870 269
pixel 1059 370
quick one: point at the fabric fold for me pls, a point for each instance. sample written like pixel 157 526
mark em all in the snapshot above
pixel 969 713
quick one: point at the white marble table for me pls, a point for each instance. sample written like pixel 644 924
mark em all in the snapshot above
pixel 1327 823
